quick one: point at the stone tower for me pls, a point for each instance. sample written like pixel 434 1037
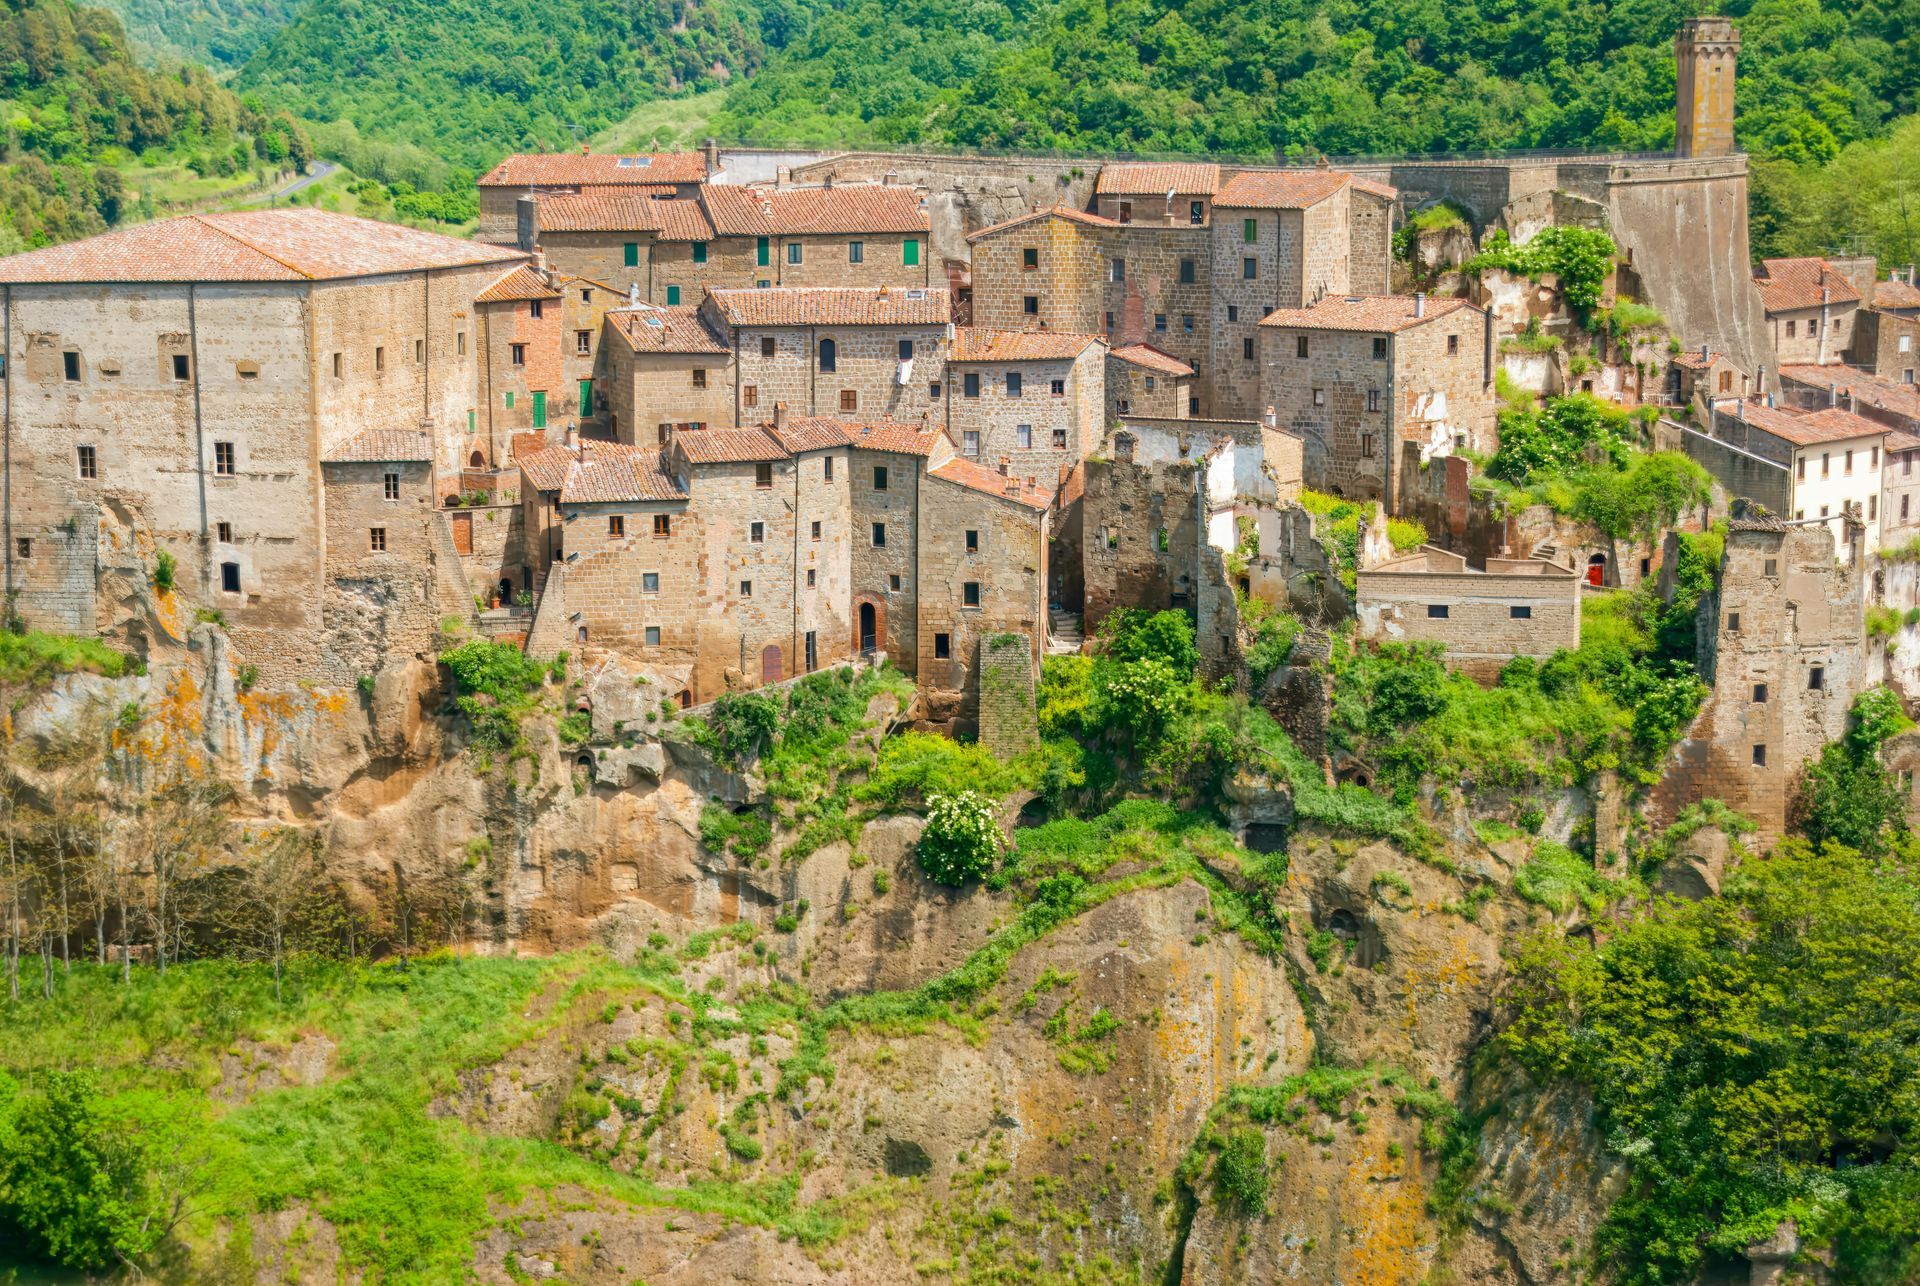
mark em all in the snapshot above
pixel 1704 51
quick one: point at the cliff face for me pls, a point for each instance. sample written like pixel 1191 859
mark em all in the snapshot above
pixel 955 1092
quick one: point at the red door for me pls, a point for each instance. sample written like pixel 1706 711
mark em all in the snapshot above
pixel 770 665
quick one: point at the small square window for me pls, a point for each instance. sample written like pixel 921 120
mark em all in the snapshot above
pixel 970 442
pixel 756 533
pixel 223 462
pixel 942 647
pixel 1771 567
pixel 390 485
pixel 905 350
pixel 1030 257
pixel 1117 268
pixel 746 589
pixel 1249 230
pixel 181 367
pixel 699 377
pixel 649 582
pixel 813 530
pixel 1319 397
pixel 973 541
pixel 1453 345
pixel 933 390
pixel 1246 348
pixel 879 535
pixel 1059 439
pixel 377 539
pixel 1160 322
pixel 1817 678
pixel 517 355
pixel 1437 611
pixel 616 526
pixel 1030 305
pixel 223 532
pixel 1759 694
pixel 1379 348
pixel 1733 622
pixel 1759 756
pixel 699 254
pixel 879 477
pixel 763 475
pixel 1373 399
pixel 1186 322
pixel 749 394
pixel 1057 388
pixel 89 463
pixel 1520 612
pixel 1233 312
pixel 1366 445
pixel 970 593
pixel 849 400
pixel 766 346
pixel 662 526
pixel 893 582
pixel 653 636
pixel 1646 566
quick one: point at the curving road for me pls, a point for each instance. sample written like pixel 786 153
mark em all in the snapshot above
pixel 320 170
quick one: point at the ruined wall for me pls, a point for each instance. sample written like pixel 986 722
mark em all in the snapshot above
pixel 1009 720
pixel 1514 608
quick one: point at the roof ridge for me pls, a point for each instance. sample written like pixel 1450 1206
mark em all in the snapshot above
pixel 204 219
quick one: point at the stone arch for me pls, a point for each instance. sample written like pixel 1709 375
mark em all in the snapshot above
pixel 876 641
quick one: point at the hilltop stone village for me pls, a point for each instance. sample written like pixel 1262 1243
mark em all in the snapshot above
pixel 728 418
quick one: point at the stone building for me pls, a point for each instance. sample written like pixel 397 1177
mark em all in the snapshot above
pixel 1704 51
pixel 664 369
pixel 380 545
pixel 1357 376
pixel 854 354
pixel 540 355
pixel 175 387
pixel 1899 490
pixel 509 190
pixel 1142 380
pixel 1803 465
pixel 1810 306
pixel 1873 397
pixel 1033 400
pixel 1700 375
pixel 1781 650
pixel 1485 616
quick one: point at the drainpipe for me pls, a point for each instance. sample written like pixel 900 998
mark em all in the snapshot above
pixel 813 368
pixel 483 320
pixel 6 444
pixel 1389 446
pixel 426 346
pixel 199 435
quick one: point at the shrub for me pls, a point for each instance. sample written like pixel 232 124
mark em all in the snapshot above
pixel 739 724
pixel 1240 1171
pixel 163 570
pixel 1131 634
pixel 962 838
pixel 576 728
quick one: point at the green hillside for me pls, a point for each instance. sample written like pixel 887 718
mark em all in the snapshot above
pixel 222 34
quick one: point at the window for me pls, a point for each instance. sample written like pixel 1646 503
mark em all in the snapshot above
pixel 893 582
pixel 749 393
pixel 1520 612
pixel 1249 269
pixel 1059 439
pixel 970 593
pixel 699 252
pixel 517 354
pixel 377 539
pixel 583 342
pixel 1030 305
pixel 536 309
pixel 1233 312
pixel 766 346
pixel 762 252
pixel 1790 327
pixel 1759 756
pixel 970 384
pixel 223 532
pixel 973 541
pixel 223 459
pixel 1816 678
pixel 942 647
pixel 662 526
pixel 1186 272
pixel 1160 322
pixel 1846 463
pixel 1116 271
pixel 1319 397
pixel 1813 327
pixel 460 343
pixel 630 254
pixel 23 546
pixel 1366 446
pixel 673 295
pixel 793 252
pixel 181 367
pixel 1014 384
pixel 970 442
pixel 763 475
pixel 1906 343
pixel 1646 566
pixel 1249 230
pixel 856 252
pixel 829 355
pixel 230 578
pixel 879 535
pixel 905 350
pixel 1453 345
pixel 649 582
pixel 1726 381
pixel 1759 694
pixel 756 533
pixel 826 466
pixel 809 578
pixel 1733 622
pixel 652 636
pixel 379 359
pixel 339 365
pixel 1826 464
pixel 1873 508
pixel 70 367
pixel 1300 346
pixel 1150 383
pixel 1903 507
pixel 1193 406
pixel 879 477
pixel 1246 348
pixel 1196 212
pixel 419 351
pixel 1437 611
pixel 933 390
pixel 1023 436
pixel 746 589
pixel 1109 323
pixel 1373 399
pixel 586 296
pixel 1379 348
pixel 813 530
pixel 910 252
pixel 616 526
pixel 1186 322
pixel 1873 457
pixel 849 400
pixel 1801 469
pixel 390 485
pixel 89 463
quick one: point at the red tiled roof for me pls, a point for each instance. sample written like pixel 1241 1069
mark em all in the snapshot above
pixel 1280 189
pixel 834 306
pixel 520 283
pixel 1055 212
pixel 382 446
pixel 1376 187
pixel 1694 360
pixel 896 437
pixel 810 433
pixel 865 207
pixel 977 477
pixel 290 243
pixel 1153 359
pixel 1900 399
pixel 979 344
pixel 1901 440
pixel 1147 178
pixel 1895 296
pixel 613 471
pixel 546 469
pixel 678 328
pixel 729 446
pixel 680 220
pixel 1787 285
pixel 1377 313
pixel 602 210
pixel 1829 424
pixel 555 169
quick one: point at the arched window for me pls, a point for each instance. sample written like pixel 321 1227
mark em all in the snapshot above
pixel 828 355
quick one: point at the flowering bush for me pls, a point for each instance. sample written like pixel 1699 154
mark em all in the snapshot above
pixel 1142 696
pixel 961 840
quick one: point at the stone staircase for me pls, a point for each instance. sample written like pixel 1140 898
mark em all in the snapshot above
pixel 1063 633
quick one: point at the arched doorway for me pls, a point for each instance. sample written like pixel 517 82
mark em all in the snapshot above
pixel 869 628
pixel 1597 569
pixel 477 460
pixel 770 664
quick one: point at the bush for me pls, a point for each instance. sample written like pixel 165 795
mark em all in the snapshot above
pixel 1131 634
pixel 163 570
pixel 739 724
pixel 962 838
pixel 1240 1171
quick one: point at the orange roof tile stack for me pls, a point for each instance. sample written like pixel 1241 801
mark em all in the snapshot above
pixel 1280 189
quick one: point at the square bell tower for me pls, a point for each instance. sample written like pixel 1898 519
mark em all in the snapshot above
pixel 1704 52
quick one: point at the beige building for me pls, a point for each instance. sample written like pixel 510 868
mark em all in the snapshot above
pixel 1485 616
pixel 1142 380
pixel 665 369
pixel 177 385
pixel 1362 378
pixel 540 357
pixel 1810 306
pixel 1033 400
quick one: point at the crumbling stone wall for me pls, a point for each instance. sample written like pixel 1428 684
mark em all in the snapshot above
pixel 1516 607
pixel 1009 718
pixel 1008 564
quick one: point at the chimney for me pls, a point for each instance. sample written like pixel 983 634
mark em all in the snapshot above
pixel 1741 412
pixel 779 415
pixel 782 176
pixel 1419 303
pixel 829 180
pixel 1003 466
pixel 1833 394
pixel 711 151
pixel 583 149
pixel 633 294
pixel 1853 402
pixel 888 179
pixel 569 434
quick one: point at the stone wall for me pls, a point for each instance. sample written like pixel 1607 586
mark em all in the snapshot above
pixel 380 602
pixel 1516 607
pixel 646 391
pixel 1009 718
pixel 886 578
pixel 1061 427
pixel 624 585
pixel 1009 565
pixel 866 364
pixel 1886 344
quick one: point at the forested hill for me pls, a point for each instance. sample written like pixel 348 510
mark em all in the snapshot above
pixel 1249 77
pixel 220 33
pixel 472 80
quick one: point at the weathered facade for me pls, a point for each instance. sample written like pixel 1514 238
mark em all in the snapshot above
pixel 1033 400
pixel 1484 616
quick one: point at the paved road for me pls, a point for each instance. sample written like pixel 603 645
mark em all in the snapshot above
pixel 321 169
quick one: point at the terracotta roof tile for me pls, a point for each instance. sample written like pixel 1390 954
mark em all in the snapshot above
pixel 554 169
pixel 546 469
pixel 896 437
pixel 1376 313
pixel 291 243
pixel 1895 296
pixel 1056 212
pixel 382 446
pixel 1900 399
pixel 1786 285
pixel 1695 360
pixel 677 328
pixel 1901 440
pixel 977 477
pixel 834 306
pixel 1376 187
pixel 522 282
pixel 1148 178
pixel 1829 424
pixel 729 446
pixel 1153 359
pixel 863 207
pixel 602 210
pixel 979 344
pixel 680 220
pixel 613 471
pixel 1280 189
pixel 810 433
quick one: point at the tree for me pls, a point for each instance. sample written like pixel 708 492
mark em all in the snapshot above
pixel 172 837
pixel 962 838
pixel 279 875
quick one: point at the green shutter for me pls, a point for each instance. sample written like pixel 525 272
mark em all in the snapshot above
pixel 912 252
pixel 673 294
pixel 763 252
pixel 509 399
pixel 1251 230
pixel 699 252
pixel 630 254
pixel 586 399
pixel 539 409
pixel 469 421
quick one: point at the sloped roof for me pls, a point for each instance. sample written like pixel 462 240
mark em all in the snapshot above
pixel 810 433
pixel 614 471
pixel 729 446
pixel 1149 178
pixel 1153 359
pixel 977 477
pixel 538 169
pixel 863 207
pixel 1052 212
pixel 1695 360
pixel 382 446
pixel 1895 295
pixel 1376 187
pixel 897 437
pixel 1829 424
pixel 979 344
pixel 834 306
pixel 1280 189
pixel 1901 399
pixel 1786 285
pixel 677 328
pixel 602 210
pixel 521 282
pixel 1376 313
pixel 288 243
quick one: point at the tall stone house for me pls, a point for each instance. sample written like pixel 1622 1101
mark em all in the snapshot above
pixel 540 338
pixel 510 191
pixel 1810 306
pixel 1030 400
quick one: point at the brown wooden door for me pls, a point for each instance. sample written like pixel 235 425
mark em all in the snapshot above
pixel 463 533
pixel 770 665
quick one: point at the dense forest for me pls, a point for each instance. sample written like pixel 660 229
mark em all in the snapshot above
pixel 222 34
